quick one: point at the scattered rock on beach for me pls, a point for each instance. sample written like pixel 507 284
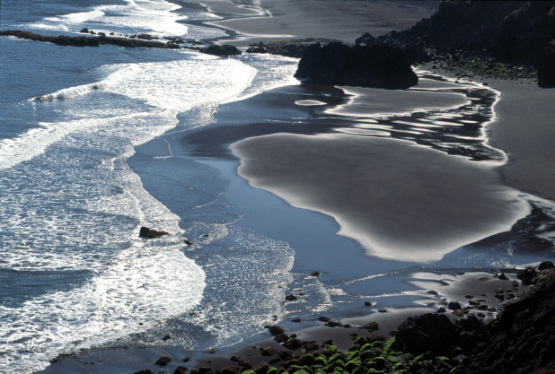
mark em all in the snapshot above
pixel 340 64
pixel 527 275
pixel 275 329
pixel 163 361
pixel 230 369
pixel 370 326
pixel 453 305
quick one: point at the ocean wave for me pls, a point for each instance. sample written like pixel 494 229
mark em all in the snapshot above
pixel 142 287
pixel 156 17
pixel 68 93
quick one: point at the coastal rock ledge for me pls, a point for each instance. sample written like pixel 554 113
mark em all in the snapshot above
pixel 364 66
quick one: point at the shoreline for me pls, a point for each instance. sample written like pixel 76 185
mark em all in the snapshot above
pixel 214 359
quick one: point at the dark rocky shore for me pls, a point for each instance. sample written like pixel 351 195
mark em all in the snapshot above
pixel 499 39
pixel 520 340
pixel 496 38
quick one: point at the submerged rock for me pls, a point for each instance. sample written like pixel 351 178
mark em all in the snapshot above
pixel 339 64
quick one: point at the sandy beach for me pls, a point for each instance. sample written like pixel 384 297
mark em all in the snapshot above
pixel 401 206
pixel 524 129
pixel 336 19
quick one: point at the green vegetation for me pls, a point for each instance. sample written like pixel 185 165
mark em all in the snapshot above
pixel 363 357
pixel 468 67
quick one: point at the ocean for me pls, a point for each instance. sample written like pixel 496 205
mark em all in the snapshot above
pixel 91 151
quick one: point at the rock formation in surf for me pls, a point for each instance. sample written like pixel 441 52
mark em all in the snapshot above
pixel 339 64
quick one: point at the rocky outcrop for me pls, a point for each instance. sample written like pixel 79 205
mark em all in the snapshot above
pixel 221 50
pixel 148 233
pixel 78 41
pixel 84 41
pixel 290 48
pixel 435 333
pixel 546 67
pixel 523 338
pixel 365 66
pixel 511 32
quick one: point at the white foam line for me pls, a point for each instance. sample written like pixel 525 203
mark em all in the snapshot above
pixel 34 142
pixel 68 93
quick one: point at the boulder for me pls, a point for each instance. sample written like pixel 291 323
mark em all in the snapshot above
pixel 163 361
pixel 428 332
pixel 180 370
pixel 546 265
pixel 275 329
pixel 148 233
pixel 546 67
pixel 205 370
pixel 437 334
pixel 230 369
pixel 293 344
pixel 453 305
pixel 222 50
pixel 145 36
pixel 527 276
pixel 338 64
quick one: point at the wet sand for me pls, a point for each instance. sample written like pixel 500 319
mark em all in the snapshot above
pixel 398 200
pixel 343 20
pixel 525 130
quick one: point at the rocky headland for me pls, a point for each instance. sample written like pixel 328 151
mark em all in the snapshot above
pixel 498 39
pixel 507 39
